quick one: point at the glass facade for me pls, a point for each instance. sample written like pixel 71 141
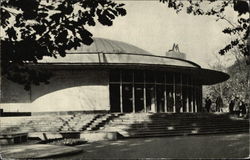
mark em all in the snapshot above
pixel 153 91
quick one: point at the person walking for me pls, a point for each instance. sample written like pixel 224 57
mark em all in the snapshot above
pixel 208 103
pixel 219 104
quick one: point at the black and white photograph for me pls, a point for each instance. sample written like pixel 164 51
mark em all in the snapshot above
pixel 124 79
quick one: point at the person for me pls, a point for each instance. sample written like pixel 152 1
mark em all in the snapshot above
pixel 219 104
pixel 231 106
pixel 237 106
pixel 170 102
pixel 178 104
pixel 243 109
pixel 208 103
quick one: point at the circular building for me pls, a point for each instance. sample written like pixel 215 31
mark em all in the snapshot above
pixel 114 76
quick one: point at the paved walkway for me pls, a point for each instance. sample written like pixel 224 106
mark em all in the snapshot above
pixel 206 146
pixel 209 146
pixel 36 151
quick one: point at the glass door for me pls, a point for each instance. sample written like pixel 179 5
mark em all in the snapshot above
pixel 127 99
pixel 139 101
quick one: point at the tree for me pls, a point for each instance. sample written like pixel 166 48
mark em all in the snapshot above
pixel 239 30
pixel 33 29
pixel 235 86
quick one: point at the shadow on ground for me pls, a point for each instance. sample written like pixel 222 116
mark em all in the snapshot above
pixel 212 146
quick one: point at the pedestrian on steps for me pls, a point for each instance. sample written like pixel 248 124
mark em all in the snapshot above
pixel 219 104
pixel 231 105
pixel 208 103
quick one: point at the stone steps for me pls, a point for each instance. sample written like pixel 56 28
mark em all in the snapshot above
pixel 153 125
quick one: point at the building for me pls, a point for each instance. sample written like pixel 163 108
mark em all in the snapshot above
pixel 114 76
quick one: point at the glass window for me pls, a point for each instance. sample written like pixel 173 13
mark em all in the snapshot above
pixel 184 79
pixel 127 98
pixel 115 76
pixel 114 97
pixel 127 76
pixel 190 81
pixel 150 98
pixel 178 98
pixel 170 98
pixel 160 98
pixel 150 76
pixel 139 76
pixel 160 78
pixel 169 78
pixel 139 97
pixel 177 78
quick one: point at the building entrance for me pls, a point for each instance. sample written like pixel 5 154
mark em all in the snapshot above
pixel 127 98
pixel 160 92
pixel 139 98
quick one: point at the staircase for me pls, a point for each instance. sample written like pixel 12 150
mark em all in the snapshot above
pixel 175 124
pixel 86 122
pixel 99 121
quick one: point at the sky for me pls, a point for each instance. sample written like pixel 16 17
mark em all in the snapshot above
pixel 154 27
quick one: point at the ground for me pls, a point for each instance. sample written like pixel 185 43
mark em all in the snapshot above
pixel 205 146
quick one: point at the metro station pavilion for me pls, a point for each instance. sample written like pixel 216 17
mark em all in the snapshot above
pixel 114 76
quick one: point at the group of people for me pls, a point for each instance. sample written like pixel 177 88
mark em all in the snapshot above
pixel 218 102
pixel 237 106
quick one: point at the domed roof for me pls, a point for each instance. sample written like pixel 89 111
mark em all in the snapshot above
pixel 102 45
pixel 104 53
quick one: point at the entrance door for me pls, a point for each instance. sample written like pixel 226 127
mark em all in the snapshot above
pixel 127 99
pixel 160 98
pixel 150 98
pixel 139 105
pixel 170 98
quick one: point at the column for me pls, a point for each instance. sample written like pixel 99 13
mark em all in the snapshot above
pixel 192 96
pixel 174 110
pixel 165 94
pixel 188 100
pixel 144 92
pixel 195 99
pixel 155 95
pixel 181 110
pixel 201 93
pixel 133 91
pixel 121 108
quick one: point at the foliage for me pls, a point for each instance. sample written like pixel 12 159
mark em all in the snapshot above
pixel 239 30
pixel 33 29
pixel 237 85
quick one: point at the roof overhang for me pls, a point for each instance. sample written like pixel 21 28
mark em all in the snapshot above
pixel 202 76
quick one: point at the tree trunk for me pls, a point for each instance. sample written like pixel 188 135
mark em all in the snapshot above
pixel 247 96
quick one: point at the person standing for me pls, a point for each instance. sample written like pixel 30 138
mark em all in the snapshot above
pixel 170 102
pixel 219 104
pixel 231 106
pixel 208 103
pixel 237 106
pixel 178 104
pixel 243 109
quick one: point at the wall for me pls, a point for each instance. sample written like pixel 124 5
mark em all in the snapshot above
pixel 69 90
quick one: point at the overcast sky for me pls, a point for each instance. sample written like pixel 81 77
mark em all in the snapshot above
pixel 154 27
